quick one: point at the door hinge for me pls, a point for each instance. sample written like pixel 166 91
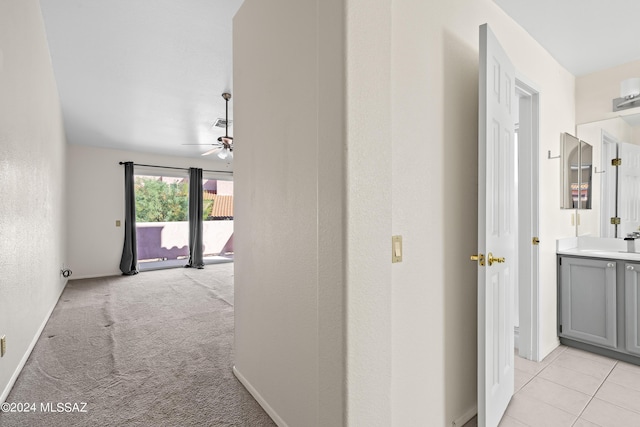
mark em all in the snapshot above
pixel 615 220
pixel 616 162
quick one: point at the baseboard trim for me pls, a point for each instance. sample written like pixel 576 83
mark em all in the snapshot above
pixel 268 409
pixel 466 417
pixel 23 361
pixel 95 276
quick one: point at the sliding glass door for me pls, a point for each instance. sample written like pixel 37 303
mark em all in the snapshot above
pixel 162 220
pixel 218 220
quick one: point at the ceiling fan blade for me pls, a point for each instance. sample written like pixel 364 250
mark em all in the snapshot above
pixel 213 150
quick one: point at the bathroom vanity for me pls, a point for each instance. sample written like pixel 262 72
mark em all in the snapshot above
pixel 598 296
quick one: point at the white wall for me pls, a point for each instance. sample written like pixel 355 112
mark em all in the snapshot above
pixel 32 162
pixel 95 183
pixel 368 209
pixel 289 79
pixel 429 377
pixel 435 116
pixel 596 91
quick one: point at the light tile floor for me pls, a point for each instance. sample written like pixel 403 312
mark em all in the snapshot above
pixel 573 388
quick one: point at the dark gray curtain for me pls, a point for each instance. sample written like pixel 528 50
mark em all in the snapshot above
pixel 129 260
pixel 195 218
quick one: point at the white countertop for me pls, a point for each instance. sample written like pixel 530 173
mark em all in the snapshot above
pixel 597 247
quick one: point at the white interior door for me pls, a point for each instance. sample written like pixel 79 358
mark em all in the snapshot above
pixel 497 225
pixel 628 188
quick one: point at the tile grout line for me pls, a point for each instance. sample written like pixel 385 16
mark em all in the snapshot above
pixel 569 388
pixel 584 373
pixel 596 392
pixel 615 404
pixel 574 353
pixel 546 365
pixel 547 403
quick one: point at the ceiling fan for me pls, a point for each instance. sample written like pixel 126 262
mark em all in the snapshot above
pixel 224 146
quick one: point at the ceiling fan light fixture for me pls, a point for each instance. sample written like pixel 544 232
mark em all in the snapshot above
pixel 226 140
pixel 224 145
pixel 206 153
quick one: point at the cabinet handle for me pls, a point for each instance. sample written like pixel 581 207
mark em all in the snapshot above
pixel 630 267
pixel 611 264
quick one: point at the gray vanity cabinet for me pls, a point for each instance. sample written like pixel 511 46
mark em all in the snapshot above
pixel 588 301
pixel 632 305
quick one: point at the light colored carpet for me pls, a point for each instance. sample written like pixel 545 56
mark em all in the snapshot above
pixel 154 349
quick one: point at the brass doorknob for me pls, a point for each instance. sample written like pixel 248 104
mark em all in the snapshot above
pixel 493 259
pixel 479 258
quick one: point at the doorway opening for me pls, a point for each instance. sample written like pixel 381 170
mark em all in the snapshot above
pixel 526 301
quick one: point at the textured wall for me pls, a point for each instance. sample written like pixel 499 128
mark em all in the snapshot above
pixel 289 207
pixel 369 204
pixel 276 206
pixel 32 183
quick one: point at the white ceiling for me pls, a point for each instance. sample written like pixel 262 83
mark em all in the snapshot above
pixel 147 75
pixel 143 75
pixel 582 35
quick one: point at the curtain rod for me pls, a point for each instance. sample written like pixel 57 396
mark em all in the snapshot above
pixel 169 167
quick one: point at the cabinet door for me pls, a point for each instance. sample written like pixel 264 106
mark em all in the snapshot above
pixel 588 300
pixel 632 302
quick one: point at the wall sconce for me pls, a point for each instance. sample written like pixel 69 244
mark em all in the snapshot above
pixel 629 95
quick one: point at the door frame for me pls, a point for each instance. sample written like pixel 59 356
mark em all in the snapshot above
pixel 528 218
pixel 608 191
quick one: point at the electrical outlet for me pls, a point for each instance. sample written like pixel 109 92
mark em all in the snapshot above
pixel 3 345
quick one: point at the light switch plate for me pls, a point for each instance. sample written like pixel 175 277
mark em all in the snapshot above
pixel 396 249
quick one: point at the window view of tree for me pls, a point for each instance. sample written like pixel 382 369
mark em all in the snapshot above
pixel 162 219
pixel 159 201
